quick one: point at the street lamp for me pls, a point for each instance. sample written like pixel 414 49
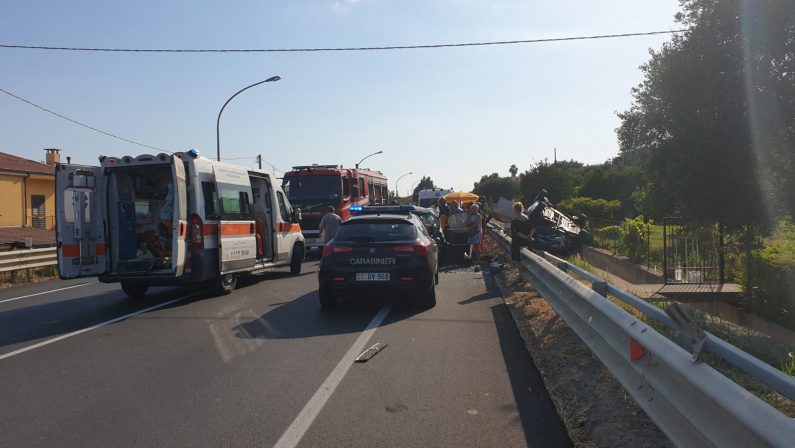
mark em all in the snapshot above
pixel 218 122
pixel 413 186
pixel 397 192
pixel 365 157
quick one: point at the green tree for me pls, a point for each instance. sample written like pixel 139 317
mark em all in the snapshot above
pixel 713 122
pixel 425 183
pixel 560 179
pixel 513 170
pixel 493 187
pixel 613 180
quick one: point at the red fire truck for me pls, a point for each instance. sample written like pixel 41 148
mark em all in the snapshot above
pixel 313 188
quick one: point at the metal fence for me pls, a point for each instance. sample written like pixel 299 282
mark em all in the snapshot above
pixel 31 258
pixel 692 254
pixel 41 221
pixel 692 403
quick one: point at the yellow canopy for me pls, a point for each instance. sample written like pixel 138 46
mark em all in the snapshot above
pixel 462 197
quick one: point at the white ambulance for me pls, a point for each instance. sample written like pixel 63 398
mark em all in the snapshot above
pixel 172 220
pixel 430 196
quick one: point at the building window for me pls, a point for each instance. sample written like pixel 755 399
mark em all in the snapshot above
pixel 37 212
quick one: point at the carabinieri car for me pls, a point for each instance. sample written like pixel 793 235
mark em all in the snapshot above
pixel 382 250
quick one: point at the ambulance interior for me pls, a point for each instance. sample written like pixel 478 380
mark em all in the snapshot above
pixel 140 210
pixel 263 217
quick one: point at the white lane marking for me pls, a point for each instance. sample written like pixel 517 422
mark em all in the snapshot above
pixel 295 432
pixel 94 327
pixel 46 292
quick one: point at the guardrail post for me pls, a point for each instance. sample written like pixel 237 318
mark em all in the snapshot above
pixel 563 266
pixel 600 288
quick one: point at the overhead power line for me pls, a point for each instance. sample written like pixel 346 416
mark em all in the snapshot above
pixel 288 50
pixel 81 124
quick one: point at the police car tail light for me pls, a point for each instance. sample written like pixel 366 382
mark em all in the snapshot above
pixel 419 250
pixel 329 249
pixel 196 233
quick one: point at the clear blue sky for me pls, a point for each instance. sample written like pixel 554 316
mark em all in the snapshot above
pixel 453 114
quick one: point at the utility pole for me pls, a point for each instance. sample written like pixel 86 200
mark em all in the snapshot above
pixel 259 160
pixel 555 155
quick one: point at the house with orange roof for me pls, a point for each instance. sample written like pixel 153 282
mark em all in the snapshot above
pixel 27 190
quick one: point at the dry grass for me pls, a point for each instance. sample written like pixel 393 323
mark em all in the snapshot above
pixel 593 406
pixel 31 275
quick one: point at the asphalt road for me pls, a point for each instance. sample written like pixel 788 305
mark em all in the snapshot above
pixel 85 367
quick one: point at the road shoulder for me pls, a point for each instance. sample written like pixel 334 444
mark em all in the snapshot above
pixel 595 408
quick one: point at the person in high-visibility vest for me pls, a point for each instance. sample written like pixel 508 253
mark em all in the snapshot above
pixel 444 212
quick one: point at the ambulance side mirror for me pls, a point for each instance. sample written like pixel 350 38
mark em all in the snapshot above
pixel 296 218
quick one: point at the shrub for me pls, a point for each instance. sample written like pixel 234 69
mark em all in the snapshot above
pixel 635 238
pixel 597 209
pixel 773 276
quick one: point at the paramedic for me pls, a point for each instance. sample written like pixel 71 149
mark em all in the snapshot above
pixel 443 212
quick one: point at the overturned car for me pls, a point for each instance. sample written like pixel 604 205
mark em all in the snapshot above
pixel 546 228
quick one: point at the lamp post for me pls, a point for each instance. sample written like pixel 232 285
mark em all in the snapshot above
pixel 365 157
pixel 397 192
pixel 218 122
pixel 413 186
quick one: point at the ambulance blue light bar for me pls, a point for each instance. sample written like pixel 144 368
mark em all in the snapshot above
pixel 356 208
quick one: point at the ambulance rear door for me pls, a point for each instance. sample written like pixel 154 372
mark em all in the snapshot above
pixel 236 230
pixel 80 221
pixel 180 219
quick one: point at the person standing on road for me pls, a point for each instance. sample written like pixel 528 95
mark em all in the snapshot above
pixel 456 208
pixel 474 232
pixel 444 212
pixel 328 225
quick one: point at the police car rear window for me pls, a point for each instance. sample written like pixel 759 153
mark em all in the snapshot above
pixel 375 231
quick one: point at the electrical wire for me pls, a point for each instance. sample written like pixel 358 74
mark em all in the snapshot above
pixel 274 167
pixel 82 124
pixel 308 50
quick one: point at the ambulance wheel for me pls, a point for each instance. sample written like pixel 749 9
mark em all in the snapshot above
pixel 225 284
pixel 296 259
pixel 134 290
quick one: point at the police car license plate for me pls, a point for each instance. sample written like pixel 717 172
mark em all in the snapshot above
pixel 372 276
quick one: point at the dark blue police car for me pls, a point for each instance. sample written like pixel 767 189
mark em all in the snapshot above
pixel 380 250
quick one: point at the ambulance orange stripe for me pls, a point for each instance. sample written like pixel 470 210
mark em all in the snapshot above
pixel 70 250
pixel 289 228
pixel 235 229
pixel 73 250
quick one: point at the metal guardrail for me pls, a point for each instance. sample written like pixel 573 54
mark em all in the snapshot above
pixel 30 258
pixel 692 403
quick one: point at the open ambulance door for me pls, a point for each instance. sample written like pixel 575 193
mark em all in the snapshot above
pixel 80 221
pixel 236 231
pixel 179 227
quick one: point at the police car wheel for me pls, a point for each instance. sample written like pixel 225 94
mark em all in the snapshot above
pixel 225 284
pixel 296 259
pixel 327 298
pixel 428 297
pixel 134 290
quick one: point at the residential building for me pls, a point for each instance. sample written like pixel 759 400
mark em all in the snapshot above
pixel 27 190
